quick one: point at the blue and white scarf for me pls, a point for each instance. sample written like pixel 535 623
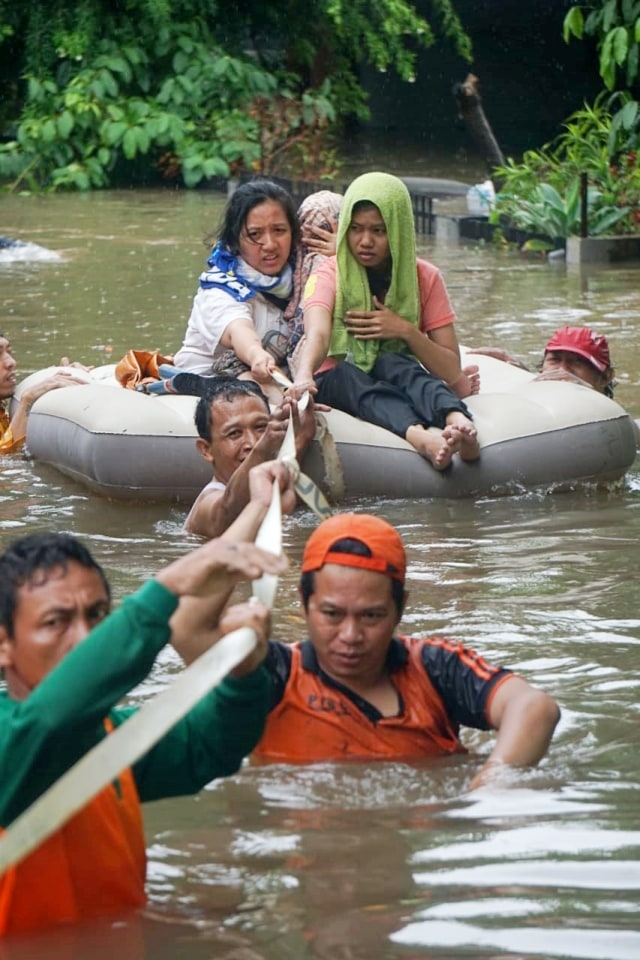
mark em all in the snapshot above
pixel 233 275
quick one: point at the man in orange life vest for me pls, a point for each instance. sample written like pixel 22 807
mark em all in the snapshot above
pixel 67 661
pixel 354 689
pixel 13 429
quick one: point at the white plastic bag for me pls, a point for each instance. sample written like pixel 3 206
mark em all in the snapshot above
pixel 481 199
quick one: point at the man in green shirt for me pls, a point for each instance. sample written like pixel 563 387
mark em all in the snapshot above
pixel 67 660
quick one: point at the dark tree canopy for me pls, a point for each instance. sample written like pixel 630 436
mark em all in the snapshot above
pixel 102 87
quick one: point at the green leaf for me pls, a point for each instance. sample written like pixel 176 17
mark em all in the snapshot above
pixel 216 167
pixel 158 125
pixel 628 114
pixel 607 64
pixel 619 45
pixel 134 55
pixel 34 89
pixel 49 131
pixel 572 202
pixel 121 66
pixel 603 221
pixel 65 124
pixel 551 196
pixel 114 132
pixel 96 87
pixel 130 143
pixel 109 83
pixel 180 61
pixel 609 14
pixel 573 24
pixel 143 140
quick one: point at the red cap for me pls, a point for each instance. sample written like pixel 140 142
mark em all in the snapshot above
pixel 383 540
pixel 583 341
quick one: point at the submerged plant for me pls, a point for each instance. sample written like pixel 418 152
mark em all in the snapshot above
pixel 557 216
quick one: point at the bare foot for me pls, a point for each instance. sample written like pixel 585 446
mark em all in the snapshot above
pixel 472 373
pixel 437 448
pixel 468 383
pixel 462 432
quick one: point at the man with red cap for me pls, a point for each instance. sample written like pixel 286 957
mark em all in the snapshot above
pixel 357 690
pixel 579 354
pixel 576 354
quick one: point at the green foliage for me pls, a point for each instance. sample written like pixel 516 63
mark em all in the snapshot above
pixel 557 216
pixel 197 125
pixel 615 25
pixel 386 35
pixel 542 192
pixel 295 134
pixel 163 95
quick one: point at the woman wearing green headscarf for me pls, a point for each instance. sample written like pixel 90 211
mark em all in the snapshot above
pixel 379 337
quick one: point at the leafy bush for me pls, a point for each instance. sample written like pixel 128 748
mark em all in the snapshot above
pixel 557 217
pixel 107 121
pixel 542 192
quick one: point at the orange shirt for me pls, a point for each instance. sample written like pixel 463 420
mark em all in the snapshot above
pixel 435 305
pixel 94 865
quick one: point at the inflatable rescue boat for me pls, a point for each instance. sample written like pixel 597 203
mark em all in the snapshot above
pixel 128 445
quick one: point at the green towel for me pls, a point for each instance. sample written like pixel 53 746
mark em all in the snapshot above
pixel 391 197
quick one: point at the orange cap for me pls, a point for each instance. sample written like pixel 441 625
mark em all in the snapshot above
pixel 383 541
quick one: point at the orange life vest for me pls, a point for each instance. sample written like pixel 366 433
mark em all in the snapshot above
pixel 8 444
pixel 94 865
pixel 315 722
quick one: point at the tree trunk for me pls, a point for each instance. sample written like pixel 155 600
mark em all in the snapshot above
pixel 467 96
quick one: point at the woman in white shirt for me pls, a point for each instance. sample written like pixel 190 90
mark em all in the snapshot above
pixel 236 325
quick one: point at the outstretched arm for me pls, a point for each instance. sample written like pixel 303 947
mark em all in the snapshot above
pixel 498 354
pixel 214 511
pixel 525 719
pixel 215 736
pixel 317 330
pixel 241 336
pixel 194 625
pixel 28 398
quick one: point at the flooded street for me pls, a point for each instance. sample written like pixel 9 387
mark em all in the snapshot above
pixel 381 861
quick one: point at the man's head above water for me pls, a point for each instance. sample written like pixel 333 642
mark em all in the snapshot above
pixel 7 369
pixel 582 353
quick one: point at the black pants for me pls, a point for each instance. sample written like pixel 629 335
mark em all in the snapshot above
pixel 397 393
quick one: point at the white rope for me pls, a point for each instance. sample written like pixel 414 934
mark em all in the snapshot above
pixel 135 737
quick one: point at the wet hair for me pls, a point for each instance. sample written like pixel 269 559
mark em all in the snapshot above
pixel 359 549
pixel 30 559
pixel 243 200
pixel 223 388
pixel 365 205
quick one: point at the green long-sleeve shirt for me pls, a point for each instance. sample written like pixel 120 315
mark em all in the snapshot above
pixel 63 717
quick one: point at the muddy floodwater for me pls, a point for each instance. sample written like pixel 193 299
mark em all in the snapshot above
pixel 383 861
